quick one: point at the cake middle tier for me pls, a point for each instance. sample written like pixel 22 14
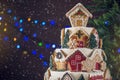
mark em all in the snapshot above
pixel 79 37
pixel 80 59
pixel 67 75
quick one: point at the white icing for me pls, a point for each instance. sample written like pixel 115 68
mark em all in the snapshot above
pixel 57 74
pixel 87 30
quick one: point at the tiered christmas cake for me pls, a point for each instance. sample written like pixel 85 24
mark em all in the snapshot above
pixel 81 56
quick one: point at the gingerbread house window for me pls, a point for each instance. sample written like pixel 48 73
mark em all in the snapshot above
pixel 78 57
pixel 73 62
pixel 59 55
pixel 79 22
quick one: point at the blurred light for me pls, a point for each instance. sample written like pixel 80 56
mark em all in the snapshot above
pixel 14 39
pixel 16 24
pixel 5 38
pixel 25 52
pixel 107 23
pixel 35 35
pixel 21 29
pixel 40 44
pixel 35 21
pixel 45 64
pixel 53 46
pixel 118 50
pixel 5 24
pixel 15 18
pixel 29 19
pixel 5 29
pixel 67 26
pixel 9 11
pixel 34 52
pixel 0 18
pixel 26 38
pixel 18 46
pixel 2 12
pixel 48 46
pixel 41 56
pixel 52 22
pixel 43 23
pixel 0 23
pixel 21 21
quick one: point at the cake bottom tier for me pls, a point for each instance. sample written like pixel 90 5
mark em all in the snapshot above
pixel 68 75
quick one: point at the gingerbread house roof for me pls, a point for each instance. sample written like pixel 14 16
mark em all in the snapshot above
pixel 68 52
pixel 86 30
pixel 77 7
pixel 99 52
pixel 90 53
pixel 67 58
pixel 80 30
pixel 67 75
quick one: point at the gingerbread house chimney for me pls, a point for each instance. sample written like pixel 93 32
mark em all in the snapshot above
pixel 78 16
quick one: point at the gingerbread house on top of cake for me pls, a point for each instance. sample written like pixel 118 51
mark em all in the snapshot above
pixel 78 16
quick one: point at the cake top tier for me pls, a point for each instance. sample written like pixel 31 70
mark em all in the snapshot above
pixel 80 37
pixel 78 15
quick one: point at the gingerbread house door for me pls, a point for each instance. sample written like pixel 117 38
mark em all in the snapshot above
pixel 78 67
pixel 80 44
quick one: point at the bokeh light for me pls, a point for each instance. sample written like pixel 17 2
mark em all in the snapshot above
pixel 5 24
pixel 9 11
pixel 14 18
pixel 21 20
pixel 45 64
pixel 52 22
pixel 25 52
pixel 107 23
pixel 41 56
pixel 53 45
pixel 26 38
pixel 18 46
pixel 40 44
pixel 35 21
pixel 118 50
pixel 48 46
pixel 5 29
pixel 34 35
pixel 14 39
pixel 67 26
pixel 16 24
pixel 2 12
pixel 29 19
pixel 5 38
pixel 21 29
pixel 43 23
pixel 34 52
pixel 0 18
